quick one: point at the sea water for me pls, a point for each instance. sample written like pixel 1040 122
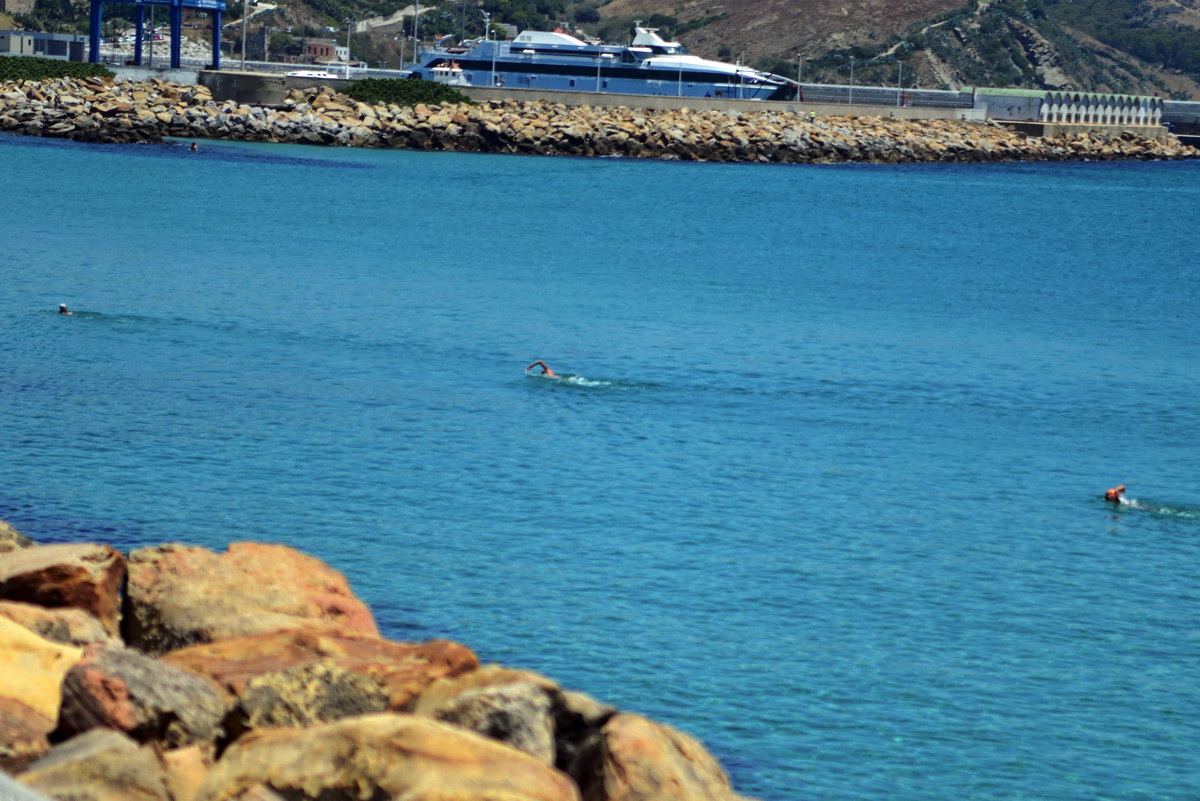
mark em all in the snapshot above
pixel 820 484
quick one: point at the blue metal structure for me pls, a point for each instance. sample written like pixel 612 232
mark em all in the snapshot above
pixel 215 7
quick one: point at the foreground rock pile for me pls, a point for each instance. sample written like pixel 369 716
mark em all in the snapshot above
pixel 177 674
pixel 99 110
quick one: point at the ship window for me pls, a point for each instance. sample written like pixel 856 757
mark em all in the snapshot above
pixel 572 82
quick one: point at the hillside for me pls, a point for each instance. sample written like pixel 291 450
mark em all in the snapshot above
pixel 1136 46
pixel 1133 46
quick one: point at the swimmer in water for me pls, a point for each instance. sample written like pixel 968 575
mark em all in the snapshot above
pixel 1116 494
pixel 62 309
pixel 546 371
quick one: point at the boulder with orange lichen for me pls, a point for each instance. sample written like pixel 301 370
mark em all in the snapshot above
pixel 401 670
pixel 382 756
pixel 180 595
pixel 80 576
pixel 635 759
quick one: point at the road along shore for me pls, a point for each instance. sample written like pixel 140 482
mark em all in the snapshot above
pixel 103 110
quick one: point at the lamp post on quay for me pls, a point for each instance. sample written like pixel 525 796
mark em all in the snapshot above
pixel 246 4
pixel 799 75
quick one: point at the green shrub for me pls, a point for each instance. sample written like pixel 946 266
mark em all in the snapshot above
pixel 31 68
pixel 587 15
pixel 404 92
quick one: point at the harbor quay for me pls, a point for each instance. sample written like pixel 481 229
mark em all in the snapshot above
pixel 151 110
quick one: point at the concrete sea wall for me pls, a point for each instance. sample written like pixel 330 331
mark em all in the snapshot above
pixel 101 110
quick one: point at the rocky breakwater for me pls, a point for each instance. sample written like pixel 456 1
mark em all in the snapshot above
pixel 100 110
pixel 174 673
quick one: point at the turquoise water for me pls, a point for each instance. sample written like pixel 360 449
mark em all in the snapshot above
pixel 823 491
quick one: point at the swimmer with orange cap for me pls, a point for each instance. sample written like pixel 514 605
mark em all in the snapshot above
pixel 1116 494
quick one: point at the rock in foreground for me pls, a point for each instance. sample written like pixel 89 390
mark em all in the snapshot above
pixel 81 576
pixel 180 595
pixel 304 707
pixel 382 757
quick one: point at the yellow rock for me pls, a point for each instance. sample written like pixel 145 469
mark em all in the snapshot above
pixel 637 759
pixel 33 667
pixel 185 769
pixel 383 756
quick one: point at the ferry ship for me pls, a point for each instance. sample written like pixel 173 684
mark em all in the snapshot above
pixel 560 62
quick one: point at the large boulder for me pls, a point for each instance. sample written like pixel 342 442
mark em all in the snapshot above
pixel 83 576
pixel 305 695
pixel 149 700
pixel 635 759
pixel 24 735
pixel 402 669
pixel 102 765
pixel 446 691
pixel 180 595
pixel 523 709
pixel 383 756
pixel 11 539
pixel 518 714
pixel 68 626
pixel 32 668
pixel 185 770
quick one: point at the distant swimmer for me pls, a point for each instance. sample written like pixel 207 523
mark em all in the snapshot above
pixel 546 371
pixel 1116 494
pixel 195 147
pixel 62 309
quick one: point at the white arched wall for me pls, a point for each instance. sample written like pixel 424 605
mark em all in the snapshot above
pixel 1100 109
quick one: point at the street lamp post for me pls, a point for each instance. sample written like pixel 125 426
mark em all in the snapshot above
pixel 349 23
pixel 899 82
pixel 850 101
pixel 416 40
pixel 799 73
pixel 487 37
pixel 245 16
